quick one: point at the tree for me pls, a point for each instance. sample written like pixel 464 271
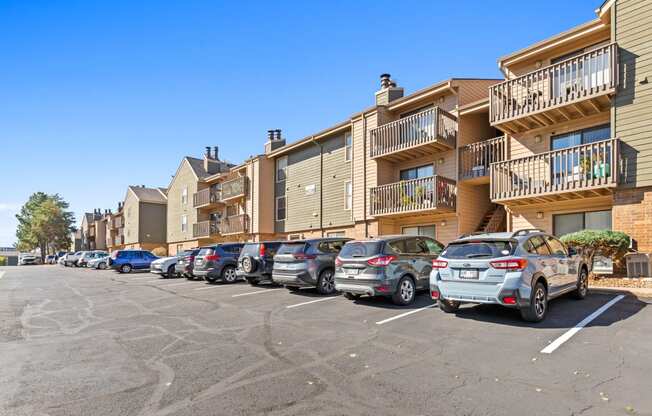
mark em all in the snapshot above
pixel 612 244
pixel 44 222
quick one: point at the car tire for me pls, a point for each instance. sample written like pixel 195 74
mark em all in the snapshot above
pixel 101 266
pixel 249 264
pixel 253 281
pixel 352 296
pixel 125 268
pixel 405 291
pixel 326 282
pixel 189 276
pixel 538 307
pixel 228 274
pixel 448 306
pixel 171 273
pixel 582 284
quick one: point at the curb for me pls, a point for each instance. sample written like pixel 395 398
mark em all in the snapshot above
pixel 638 292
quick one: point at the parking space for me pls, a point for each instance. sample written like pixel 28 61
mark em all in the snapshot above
pixel 190 345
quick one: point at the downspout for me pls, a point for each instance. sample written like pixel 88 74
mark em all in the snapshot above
pixel 364 171
pixel 321 184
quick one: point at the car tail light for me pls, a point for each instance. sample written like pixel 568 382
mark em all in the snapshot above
pixel 383 288
pixel 261 250
pixel 509 265
pixel 381 261
pixel 434 294
pixel 212 257
pixel 338 261
pixel 439 264
pixel 303 256
pixel 509 300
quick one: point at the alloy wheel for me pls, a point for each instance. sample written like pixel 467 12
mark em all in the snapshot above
pixel 406 290
pixel 540 302
pixel 584 284
pixel 327 282
pixel 229 274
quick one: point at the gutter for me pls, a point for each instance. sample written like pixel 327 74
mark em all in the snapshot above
pixel 321 183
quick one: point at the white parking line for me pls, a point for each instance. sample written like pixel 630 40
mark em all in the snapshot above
pixel 211 287
pixel 393 318
pixel 2 274
pixel 257 292
pixel 179 284
pixel 574 330
pixel 309 302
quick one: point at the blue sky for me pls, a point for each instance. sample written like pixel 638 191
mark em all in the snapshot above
pixel 95 96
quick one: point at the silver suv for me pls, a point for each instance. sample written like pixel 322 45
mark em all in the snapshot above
pixel 520 270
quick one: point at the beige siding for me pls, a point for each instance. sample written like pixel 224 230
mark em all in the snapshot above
pixel 184 178
pixel 472 204
pixel 473 90
pixel 446 226
pixel 337 171
pixel 131 217
pixel 633 104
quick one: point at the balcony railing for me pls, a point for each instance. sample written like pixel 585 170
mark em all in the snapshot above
pixel 234 188
pixel 475 158
pixel 237 224
pixel 119 240
pixel 433 192
pixel 434 127
pixel 117 222
pixel 205 228
pixel 587 167
pixel 582 77
pixel 206 196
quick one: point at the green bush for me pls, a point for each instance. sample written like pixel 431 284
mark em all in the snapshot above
pixel 3 261
pixel 612 244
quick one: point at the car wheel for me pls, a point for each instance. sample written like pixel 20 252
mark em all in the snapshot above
pixel 582 285
pixel 101 266
pixel 252 281
pixel 228 274
pixel 448 306
pixel 351 296
pixel 125 268
pixel 405 292
pixel 538 307
pixel 189 276
pixel 249 264
pixel 170 273
pixel 326 282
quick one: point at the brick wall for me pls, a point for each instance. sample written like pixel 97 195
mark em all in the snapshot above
pixel 632 214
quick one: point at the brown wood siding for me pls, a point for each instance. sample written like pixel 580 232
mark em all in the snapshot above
pixel 152 227
pixel 473 90
pixel 184 178
pixel 131 218
pixel 472 204
pixel 633 103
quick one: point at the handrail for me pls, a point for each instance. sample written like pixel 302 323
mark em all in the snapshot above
pixel 205 228
pixel 432 192
pixel 235 224
pixel 475 158
pixel 234 188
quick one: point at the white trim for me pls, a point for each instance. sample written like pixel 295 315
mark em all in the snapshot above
pixel 348 149
pixel 346 195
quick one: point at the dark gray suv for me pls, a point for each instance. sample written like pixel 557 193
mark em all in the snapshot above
pixel 308 263
pixel 218 262
pixel 256 261
pixel 392 266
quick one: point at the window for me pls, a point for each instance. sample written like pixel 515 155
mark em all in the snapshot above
pixel 555 246
pixel 348 146
pixel 536 245
pixel 184 196
pixel 281 168
pixel 427 230
pixel 280 208
pixel 336 234
pixel 417 172
pixel 348 195
pixel 433 246
pixel 569 223
pixel 184 223
pixel 585 136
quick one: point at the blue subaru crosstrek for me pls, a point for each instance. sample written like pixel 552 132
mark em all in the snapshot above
pixel 124 261
pixel 520 270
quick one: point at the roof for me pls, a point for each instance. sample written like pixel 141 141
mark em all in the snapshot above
pixel 344 125
pixel 152 195
pixel 197 166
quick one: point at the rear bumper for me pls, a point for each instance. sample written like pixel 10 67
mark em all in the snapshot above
pixel 365 287
pixel 484 293
pixel 301 278
pixel 156 270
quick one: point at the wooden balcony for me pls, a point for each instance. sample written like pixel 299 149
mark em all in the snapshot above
pixel 574 88
pixel 118 240
pixel 583 171
pixel 430 131
pixel 475 159
pixel 423 195
pixel 205 229
pixel 237 224
pixel 206 198
pixel 234 188
pixel 116 223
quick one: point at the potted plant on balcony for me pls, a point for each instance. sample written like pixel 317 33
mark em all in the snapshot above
pixel 585 166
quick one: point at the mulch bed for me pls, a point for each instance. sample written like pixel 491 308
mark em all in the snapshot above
pixel 600 281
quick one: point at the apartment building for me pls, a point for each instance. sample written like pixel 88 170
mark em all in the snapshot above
pixel 398 167
pixel 575 110
pixel 92 234
pixel 115 229
pixel 143 218
pixel 210 200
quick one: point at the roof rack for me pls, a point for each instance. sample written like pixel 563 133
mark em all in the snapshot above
pixel 472 234
pixel 526 231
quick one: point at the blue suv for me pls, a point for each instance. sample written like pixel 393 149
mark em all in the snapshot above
pixel 124 261
pixel 521 270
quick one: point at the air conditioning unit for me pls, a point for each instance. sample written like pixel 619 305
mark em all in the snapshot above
pixel 638 264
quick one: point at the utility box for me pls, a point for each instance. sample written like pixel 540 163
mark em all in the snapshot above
pixel 638 264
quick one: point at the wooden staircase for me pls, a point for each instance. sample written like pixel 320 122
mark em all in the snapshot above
pixel 494 220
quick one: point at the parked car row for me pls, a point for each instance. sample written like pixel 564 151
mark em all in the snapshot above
pixel 521 270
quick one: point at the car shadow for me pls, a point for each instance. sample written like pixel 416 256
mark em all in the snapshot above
pixel 563 312
pixel 421 300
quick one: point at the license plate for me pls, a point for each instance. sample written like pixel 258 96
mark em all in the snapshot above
pixel 352 271
pixel 468 274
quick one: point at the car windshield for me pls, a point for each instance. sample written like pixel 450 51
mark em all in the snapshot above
pixel 478 249
pixel 291 248
pixel 361 249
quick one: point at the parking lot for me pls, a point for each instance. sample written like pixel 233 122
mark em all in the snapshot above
pixel 86 342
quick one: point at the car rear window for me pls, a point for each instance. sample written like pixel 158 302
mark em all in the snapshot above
pixel 291 248
pixel 206 251
pixel 478 249
pixel 361 249
pixel 250 249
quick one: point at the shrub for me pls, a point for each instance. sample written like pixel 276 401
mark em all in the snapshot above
pixel 160 251
pixel 3 261
pixel 612 244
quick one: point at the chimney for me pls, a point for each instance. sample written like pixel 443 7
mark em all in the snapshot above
pixel 208 152
pixel 212 164
pixel 388 90
pixel 274 140
pixel 216 154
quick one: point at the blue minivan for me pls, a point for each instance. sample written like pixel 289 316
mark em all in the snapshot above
pixel 124 261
